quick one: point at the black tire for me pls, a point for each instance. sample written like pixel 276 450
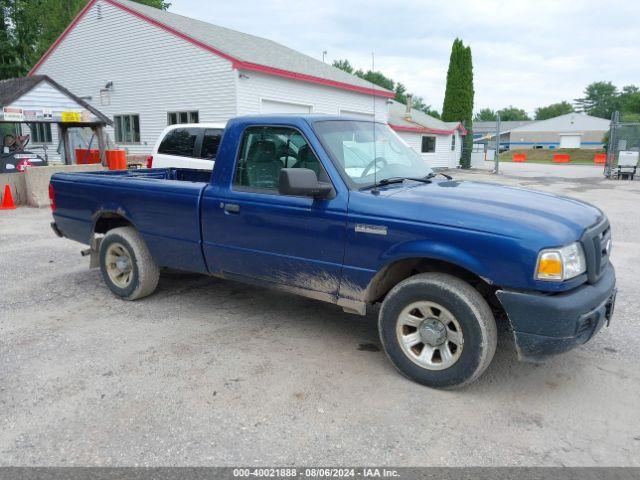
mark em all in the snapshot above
pixel 144 270
pixel 470 310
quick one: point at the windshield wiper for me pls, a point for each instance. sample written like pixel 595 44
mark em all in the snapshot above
pixel 435 174
pixel 389 181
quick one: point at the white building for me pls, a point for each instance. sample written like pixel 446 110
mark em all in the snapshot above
pixel 439 143
pixel 146 68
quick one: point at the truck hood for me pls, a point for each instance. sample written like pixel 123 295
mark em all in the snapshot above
pixel 509 211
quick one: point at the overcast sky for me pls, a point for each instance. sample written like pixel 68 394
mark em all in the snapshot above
pixel 525 53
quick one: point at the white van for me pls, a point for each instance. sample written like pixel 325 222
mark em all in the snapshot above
pixel 187 145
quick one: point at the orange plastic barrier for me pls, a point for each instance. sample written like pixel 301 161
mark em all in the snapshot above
pixel 84 156
pixel 600 158
pixel 117 159
pixel 561 158
pixel 519 157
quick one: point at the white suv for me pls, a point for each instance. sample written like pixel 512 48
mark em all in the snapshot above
pixel 187 145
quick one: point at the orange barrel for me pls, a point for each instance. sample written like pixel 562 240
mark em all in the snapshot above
pixel 84 156
pixel 117 159
pixel 81 156
pixel 519 157
pixel 600 158
pixel 561 158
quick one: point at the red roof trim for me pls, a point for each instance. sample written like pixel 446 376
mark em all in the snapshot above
pixel 62 36
pixel 402 128
pixel 312 79
pixel 235 63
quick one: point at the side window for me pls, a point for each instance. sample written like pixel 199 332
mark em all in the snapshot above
pixel 428 144
pixel 210 144
pixel 453 142
pixel 267 150
pixel 180 141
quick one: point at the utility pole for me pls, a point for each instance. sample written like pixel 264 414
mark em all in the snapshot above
pixel 496 168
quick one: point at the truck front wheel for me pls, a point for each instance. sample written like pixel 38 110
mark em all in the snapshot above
pixel 437 330
pixel 126 264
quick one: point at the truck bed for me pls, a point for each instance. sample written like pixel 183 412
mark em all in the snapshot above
pixel 162 204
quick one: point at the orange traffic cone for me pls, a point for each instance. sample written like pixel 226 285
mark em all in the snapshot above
pixel 7 199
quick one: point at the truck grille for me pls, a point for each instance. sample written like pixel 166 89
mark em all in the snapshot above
pixel 596 242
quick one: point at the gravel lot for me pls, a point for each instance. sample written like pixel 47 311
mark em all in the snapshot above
pixel 207 372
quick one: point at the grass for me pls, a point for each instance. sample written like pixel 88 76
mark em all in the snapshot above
pixel 579 156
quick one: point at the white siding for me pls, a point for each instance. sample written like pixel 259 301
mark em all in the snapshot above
pixel 322 99
pixel 153 72
pixel 443 157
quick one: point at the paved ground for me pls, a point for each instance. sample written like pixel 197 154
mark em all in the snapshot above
pixel 207 372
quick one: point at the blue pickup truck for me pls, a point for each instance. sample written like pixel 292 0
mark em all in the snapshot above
pixel 341 210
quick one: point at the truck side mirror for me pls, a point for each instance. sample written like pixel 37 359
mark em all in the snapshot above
pixel 303 182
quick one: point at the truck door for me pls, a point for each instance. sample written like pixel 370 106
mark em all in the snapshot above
pixel 250 230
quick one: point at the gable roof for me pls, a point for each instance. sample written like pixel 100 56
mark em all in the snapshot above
pixel 419 122
pixel 568 122
pixel 13 89
pixel 244 51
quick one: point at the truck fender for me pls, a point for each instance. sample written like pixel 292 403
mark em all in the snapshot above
pixel 94 242
pixel 409 255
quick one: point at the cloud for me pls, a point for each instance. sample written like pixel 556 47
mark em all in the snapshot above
pixel 526 53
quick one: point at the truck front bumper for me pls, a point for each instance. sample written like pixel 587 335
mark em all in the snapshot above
pixel 545 325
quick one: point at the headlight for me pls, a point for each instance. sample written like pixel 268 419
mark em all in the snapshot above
pixel 557 264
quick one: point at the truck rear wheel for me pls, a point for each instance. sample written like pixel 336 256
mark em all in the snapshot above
pixel 126 264
pixel 437 330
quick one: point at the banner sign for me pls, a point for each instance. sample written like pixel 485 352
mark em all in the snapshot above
pixel 71 117
pixel 12 114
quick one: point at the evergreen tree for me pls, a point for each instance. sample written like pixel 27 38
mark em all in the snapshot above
pixel 459 93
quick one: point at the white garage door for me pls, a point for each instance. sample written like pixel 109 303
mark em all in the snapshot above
pixel 569 141
pixel 272 106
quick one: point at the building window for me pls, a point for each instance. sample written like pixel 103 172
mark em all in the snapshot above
pixel 174 118
pixel 453 142
pixel 127 128
pixel 40 132
pixel 428 144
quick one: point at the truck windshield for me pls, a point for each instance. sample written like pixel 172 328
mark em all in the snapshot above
pixel 364 161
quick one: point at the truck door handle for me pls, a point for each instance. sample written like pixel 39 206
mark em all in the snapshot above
pixel 232 208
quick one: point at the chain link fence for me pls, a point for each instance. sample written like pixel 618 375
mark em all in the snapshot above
pixel 623 147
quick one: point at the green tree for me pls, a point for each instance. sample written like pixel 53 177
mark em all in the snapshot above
pixel 629 100
pixel 343 64
pixel 554 110
pixel 459 93
pixel 378 78
pixel 418 104
pixel 485 115
pixel 511 113
pixel 600 100
pixel 29 27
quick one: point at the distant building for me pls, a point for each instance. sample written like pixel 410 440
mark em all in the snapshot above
pixel 572 130
pixel 485 130
pixel 439 143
